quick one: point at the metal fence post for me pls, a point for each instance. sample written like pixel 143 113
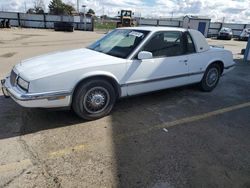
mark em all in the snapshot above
pixel 44 20
pixel 18 18
pixel 93 23
pixel 85 22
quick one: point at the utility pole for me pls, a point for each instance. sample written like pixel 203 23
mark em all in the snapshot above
pixel 25 7
pixel 140 19
pixel 223 19
pixel 84 14
pixel 77 4
pixel 103 13
pixel 172 15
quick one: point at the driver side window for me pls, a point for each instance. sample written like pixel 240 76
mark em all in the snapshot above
pixel 165 44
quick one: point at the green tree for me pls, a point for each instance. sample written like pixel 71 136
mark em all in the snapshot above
pixel 39 10
pixel 58 7
pixel 68 9
pixel 38 7
pixel 91 11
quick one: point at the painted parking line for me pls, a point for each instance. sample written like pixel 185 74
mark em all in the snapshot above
pixel 15 165
pixel 153 128
pixel 183 121
pixel 24 164
pixel 79 148
pixel 66 151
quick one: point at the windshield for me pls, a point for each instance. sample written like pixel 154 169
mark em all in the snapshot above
pixel 120 42
pixel 247 31
pixel 224 29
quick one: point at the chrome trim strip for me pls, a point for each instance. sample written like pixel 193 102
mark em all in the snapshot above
pixel 161 79
pixel 39 96
pixel 228 67
pixel 35 96
pixel 4 90
pixel 18 95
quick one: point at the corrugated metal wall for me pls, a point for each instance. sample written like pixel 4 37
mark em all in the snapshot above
pixel 212 31
pixel 45 21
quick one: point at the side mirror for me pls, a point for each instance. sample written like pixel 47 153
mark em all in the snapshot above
pixel 145 55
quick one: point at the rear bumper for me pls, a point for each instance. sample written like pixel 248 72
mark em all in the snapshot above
pixel 35 100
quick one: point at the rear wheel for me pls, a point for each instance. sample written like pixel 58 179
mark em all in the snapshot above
pixel 210 78
pixel 94 99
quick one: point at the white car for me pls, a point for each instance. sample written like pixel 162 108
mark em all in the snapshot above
pixel 244 34
pixel 225 33
pixel 125 62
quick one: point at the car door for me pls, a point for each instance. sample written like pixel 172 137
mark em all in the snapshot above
pixel 196 61
pixel 168 67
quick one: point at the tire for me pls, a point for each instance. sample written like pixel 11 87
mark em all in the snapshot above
pixel 94 99
pixel 243 51
pixel 210 78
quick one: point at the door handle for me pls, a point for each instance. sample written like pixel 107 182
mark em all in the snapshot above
pixel 185 61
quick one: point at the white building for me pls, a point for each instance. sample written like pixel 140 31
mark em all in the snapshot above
pixel 197 22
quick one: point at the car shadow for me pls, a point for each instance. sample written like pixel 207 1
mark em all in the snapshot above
pixel 16 120
pixel 131 154
pixel 147 157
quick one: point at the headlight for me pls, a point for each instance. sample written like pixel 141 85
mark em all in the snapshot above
pixel 23 84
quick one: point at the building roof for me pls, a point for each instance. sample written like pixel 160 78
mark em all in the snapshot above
pixel 198 17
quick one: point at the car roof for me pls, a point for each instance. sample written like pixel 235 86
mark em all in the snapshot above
pixel 150 28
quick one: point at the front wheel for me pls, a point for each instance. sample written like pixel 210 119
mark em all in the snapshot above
pixel 94 99
pixel 210 78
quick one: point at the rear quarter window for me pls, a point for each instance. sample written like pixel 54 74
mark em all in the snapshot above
pixel 190 44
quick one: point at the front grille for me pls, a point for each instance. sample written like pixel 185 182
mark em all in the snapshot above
pixel 13 78
pixel 224 34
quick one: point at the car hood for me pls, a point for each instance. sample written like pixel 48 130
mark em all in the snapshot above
pixel 58 62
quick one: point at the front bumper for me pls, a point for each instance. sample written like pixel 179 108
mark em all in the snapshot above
pixel 4 90
pixel 35 100
pixel 224 36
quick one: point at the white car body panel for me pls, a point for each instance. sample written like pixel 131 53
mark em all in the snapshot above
pixel 60 72
pixel 245 33
pixel 68 68
pixel 200 42
pixel 157 69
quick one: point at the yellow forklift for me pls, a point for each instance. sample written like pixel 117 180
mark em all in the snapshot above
pixel 125 19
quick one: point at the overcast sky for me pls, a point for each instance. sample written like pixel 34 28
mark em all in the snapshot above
pixel 232 10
